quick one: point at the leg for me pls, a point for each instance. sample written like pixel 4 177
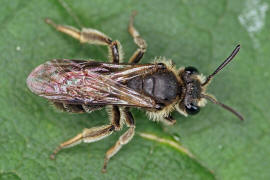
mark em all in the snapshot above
pixel 92 134
pixel 73 108
pixel 124 139
pixel 91 36
pixel 138 54
pixel 116 116
pixel 87 136
pixel 169 120
pixel 76 108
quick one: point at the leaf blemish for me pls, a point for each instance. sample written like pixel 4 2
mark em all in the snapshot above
pixel 253 18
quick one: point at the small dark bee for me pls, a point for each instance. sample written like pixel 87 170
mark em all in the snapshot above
pixel 84 86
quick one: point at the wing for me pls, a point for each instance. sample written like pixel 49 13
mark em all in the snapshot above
pixel 88 82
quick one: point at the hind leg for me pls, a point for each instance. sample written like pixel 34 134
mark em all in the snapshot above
pixel 91 36
pixel 93 134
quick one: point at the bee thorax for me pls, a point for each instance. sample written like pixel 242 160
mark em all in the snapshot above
pixel 163 86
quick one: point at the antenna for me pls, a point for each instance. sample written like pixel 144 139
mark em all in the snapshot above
pixel 223 105
pixel 229 59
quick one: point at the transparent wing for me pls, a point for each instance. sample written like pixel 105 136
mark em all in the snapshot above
pixel 86 82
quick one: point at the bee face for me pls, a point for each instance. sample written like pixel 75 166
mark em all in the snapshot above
pixel 191 100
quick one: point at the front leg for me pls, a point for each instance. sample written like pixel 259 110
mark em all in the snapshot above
pixel 169 120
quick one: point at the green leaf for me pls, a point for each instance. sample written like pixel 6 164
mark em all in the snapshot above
pixel 191 32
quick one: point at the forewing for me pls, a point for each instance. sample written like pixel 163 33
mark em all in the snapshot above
pixel 72 82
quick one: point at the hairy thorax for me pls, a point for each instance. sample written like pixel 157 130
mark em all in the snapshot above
pixel 163 86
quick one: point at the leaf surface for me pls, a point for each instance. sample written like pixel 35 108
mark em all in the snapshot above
pixel 197 33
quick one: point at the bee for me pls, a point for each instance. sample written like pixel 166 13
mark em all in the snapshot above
pixel 80 86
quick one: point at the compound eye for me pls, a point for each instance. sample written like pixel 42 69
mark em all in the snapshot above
pixel 192 109
pixel 191 70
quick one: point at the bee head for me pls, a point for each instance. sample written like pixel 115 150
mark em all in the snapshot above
pixel 194 86
pixel 192 90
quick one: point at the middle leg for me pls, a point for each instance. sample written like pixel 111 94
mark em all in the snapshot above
pixel 124 139
pixel 91 36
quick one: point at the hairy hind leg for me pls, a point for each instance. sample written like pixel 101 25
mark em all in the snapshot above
pixel 87 136
pixel 91 36
pixel 138 54
pixel 93 134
